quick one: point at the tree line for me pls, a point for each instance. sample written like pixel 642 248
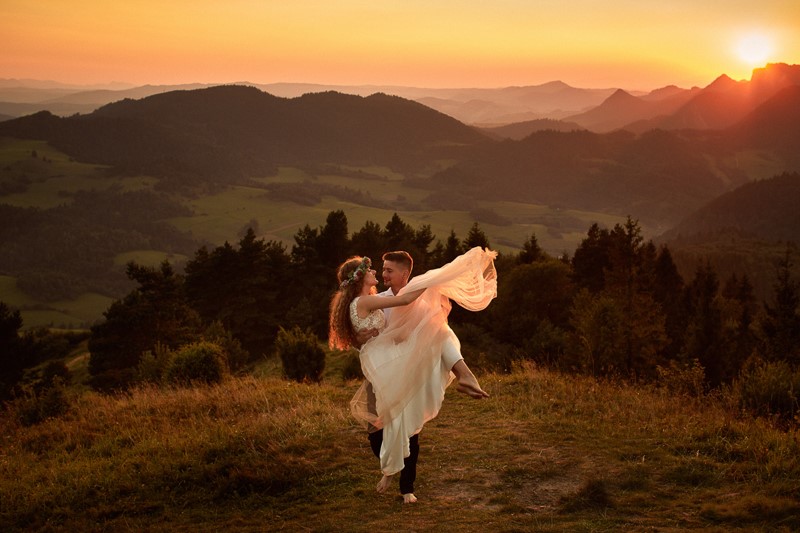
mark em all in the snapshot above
pixel 617 308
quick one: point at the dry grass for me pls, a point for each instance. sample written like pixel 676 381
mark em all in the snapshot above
pixel 545 453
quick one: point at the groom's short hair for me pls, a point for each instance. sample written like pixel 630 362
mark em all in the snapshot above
pixel 400 257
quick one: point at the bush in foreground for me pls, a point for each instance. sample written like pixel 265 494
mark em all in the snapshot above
pixel 302 356
pixel 770 389
pixel 199 362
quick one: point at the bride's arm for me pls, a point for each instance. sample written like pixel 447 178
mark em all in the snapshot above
pixel 372 302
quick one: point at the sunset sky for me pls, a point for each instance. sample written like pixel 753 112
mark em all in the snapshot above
pixel 641 44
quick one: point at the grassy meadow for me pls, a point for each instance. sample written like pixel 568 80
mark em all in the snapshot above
pixel 545 453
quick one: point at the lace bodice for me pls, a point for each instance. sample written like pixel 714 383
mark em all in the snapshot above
pixel 375 319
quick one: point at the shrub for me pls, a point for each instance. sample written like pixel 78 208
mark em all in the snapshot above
pixel 55 370
pixel 36 405
pixel 482 352
pixel 682 379
pixel 236 356
pixel 153 364
pixel 769 388
pixel 352 366
pixel 202 362
pixel 301 355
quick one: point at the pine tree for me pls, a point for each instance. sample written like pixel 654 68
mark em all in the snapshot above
pixel 704 340
pixel 155 313
pixel 591 259
pixel 531 251
pixel 781 325
pixel 475 237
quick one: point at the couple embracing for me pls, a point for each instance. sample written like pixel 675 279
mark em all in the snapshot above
pixel 409 355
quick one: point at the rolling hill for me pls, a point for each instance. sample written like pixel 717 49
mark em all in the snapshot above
pixel 745 232
pixel 519 130
pixel 765 209
pixel 222 134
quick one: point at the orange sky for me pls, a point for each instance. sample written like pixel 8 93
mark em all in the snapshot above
pixel 640 44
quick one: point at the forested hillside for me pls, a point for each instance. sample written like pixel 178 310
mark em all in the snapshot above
pixel 229 133
pixel 63 252
pixel 659 176
pixel 765 209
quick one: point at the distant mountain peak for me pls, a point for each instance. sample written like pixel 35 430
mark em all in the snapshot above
pixel 775 76
pixel 665 92
pixel 722 83
pixel 621 95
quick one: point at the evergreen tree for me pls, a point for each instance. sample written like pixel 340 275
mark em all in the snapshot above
pixel 452 248
pixel 629 280
pixel 738 310
pixel 531 251
pixel 781 324
pixel 155 313
pixel 400 236
pixel 475 237
pixel 246 289
pixel 369 241
pixel 333 244
pixel 668 288
pixel 704 340
pixel 591 259
pixel 597 324
pixel 423 237
pixel 305 251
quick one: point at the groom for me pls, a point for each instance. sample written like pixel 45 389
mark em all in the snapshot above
pixel 396 272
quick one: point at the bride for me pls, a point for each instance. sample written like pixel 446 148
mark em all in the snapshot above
pixel 405 376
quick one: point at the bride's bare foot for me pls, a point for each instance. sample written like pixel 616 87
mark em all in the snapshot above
pixel 384 483
pixel 472 390
pixel 409 498
pixel 467 382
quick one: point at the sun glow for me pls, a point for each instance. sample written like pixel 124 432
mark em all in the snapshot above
pixel 755 49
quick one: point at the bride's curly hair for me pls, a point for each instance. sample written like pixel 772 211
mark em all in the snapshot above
pixel 350 275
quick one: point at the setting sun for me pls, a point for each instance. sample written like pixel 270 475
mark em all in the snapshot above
pixel 755 49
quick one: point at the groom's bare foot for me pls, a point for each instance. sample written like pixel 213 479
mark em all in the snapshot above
pixel 384 483
pixel 409 498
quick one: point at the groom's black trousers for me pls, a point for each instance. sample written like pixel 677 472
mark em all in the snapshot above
pixel 409 472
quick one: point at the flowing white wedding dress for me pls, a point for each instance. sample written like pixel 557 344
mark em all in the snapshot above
pixel 405 376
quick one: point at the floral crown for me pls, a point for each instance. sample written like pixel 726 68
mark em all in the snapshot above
pixel 358 273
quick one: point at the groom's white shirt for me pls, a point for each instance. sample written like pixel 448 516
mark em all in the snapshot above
pixel 388 310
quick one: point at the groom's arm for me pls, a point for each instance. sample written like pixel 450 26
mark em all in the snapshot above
pixel 364 335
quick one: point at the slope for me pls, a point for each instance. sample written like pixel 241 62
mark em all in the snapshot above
pixel 547 452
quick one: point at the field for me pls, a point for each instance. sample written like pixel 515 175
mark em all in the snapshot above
pixel 221 216
pixel 84 309
pixel 545 453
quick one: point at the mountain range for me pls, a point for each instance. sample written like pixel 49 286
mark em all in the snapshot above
pixel 226 134
pixel 472 106
pixel 720 104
